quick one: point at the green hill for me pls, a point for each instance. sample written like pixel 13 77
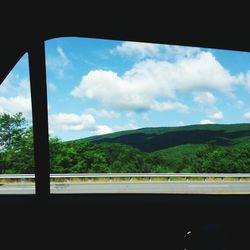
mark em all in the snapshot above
pixel 180 151
pixel 159 138
pixel 191 149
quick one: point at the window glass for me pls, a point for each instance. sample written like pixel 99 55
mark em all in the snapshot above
pixel 16 133
pixel 131 117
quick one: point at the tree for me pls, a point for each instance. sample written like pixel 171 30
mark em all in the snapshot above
pixel 11 129
pixel 16 144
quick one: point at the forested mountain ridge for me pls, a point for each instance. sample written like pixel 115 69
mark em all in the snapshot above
pixel 154 139
pixel 199 149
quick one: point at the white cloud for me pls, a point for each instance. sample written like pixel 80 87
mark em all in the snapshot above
pixel 204 98
pixel 103 113
pixel 58 63
pixel 104 129
pixel 130 126
pixel 101 130
pixel 6 86
pixel 112 91
pixel 15 95
pixel 206 122
pixel 152 50
pixel 139 87
pixel 72 122
pixel 166 106
pixel 247 115
pixel 138 49
pixel 13 85
pixel 65 60
pixel 178 52
pixel 16 104
pixel 203 72
pixel 217 115
pixel 207 101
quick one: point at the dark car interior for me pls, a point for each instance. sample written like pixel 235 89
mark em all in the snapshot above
pixel 157 221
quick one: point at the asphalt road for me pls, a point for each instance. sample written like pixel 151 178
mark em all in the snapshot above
pixel 184 187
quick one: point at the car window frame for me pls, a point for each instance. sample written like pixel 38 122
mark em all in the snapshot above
pixel 37 71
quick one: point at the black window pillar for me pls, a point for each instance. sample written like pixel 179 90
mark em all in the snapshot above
pixel 37 69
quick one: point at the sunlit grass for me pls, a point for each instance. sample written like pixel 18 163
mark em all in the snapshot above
pixel 125 179
pixel 117 179
pixel 245 179
pixel 15 181
pixel 140 179
pixel 101 179
pixel 214 179
pixel 177 178
pixel 160 179
pixel 195 179
pixel 232 179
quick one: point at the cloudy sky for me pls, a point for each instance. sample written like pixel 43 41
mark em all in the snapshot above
pixel 100 86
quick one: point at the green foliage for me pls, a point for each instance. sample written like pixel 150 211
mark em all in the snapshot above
pixel 216 154
pixel 223 160
pixel 11 129
pixel 16 140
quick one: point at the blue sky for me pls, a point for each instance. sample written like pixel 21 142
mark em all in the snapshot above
pixel 98 86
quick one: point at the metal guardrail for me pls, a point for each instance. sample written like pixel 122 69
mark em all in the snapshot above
pixel 129 176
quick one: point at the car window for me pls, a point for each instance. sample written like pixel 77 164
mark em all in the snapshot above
pixel 132 117
pixel 16 132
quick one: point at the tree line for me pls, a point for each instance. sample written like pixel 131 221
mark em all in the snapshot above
pixel 17 155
